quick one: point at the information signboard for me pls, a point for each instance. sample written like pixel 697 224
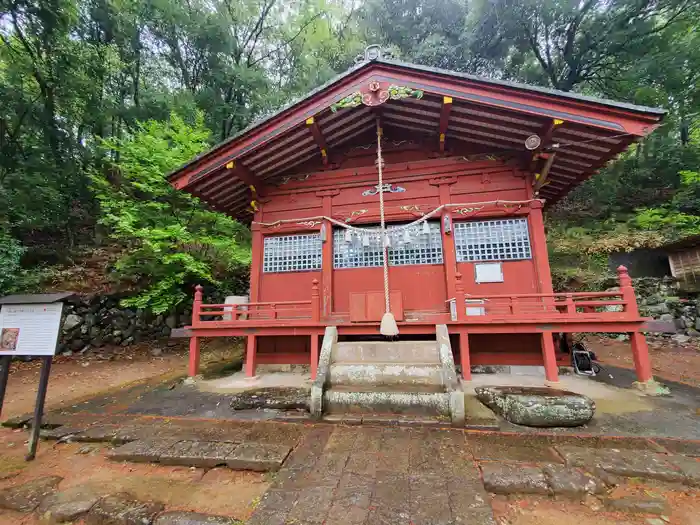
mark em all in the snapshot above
pixel 29 329
pixel 29 326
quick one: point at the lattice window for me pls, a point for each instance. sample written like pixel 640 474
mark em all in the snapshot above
pixel 422 248
pixel 500 240
pixel 292 253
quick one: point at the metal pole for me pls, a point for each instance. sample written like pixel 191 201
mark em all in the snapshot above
pixel 5 362
pixel 39 407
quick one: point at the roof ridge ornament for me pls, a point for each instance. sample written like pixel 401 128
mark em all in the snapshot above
pixel 373 52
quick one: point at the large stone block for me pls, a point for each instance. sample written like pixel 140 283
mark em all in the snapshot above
pixel 122 509
pixel 68 505
pixel 514 479
pixel 27 497
pixel 538 407
pixel 260 457
pixel 142 450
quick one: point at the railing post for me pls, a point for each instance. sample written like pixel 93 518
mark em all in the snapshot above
pixel 570 305
pixel 514 305
pixel 197 305
pixel 627 292
pixel 460 299
pixel 193 368
pixel 315 302
pixel 273 313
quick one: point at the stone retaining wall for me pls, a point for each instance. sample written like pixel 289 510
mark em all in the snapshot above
pixel 660 299
pixel 96 321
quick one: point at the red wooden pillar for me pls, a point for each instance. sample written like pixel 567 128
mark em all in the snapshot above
pixel 640 352
pixel 193 368
pixel 539 248
pixel 464 358
pixel 448 246
pixel 551 370
pixel 314 355
pixel 250 355
pixel 256 264
pixel 640 349
pixel 327 256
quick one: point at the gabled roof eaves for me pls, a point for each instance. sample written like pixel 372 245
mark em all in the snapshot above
pixel 527 87
pixel 653 112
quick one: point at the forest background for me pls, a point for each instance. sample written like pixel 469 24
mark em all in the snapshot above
pixel 100 98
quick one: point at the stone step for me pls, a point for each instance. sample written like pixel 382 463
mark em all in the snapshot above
pixel 386 352
pixel 342 401
pixel 426 377
pixel 261 457
pixel 396 389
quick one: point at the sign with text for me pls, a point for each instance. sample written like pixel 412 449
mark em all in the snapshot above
pixel 29 329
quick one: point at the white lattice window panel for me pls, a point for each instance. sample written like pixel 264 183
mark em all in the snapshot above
pixel 499 240
pixel 421 248
pixel 292 253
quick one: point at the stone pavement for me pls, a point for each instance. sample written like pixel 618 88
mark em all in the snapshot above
pixel 401 476
pixel 390 475
pixel 357 475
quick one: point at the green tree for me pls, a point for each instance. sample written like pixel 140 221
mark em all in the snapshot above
pixel 172 240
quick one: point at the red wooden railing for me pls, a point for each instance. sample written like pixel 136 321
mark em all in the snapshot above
pixel 619 304
pixel 204 315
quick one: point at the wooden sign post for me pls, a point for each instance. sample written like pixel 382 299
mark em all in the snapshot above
pixel 30 325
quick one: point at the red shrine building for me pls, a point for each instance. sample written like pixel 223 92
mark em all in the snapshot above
pixel 468 167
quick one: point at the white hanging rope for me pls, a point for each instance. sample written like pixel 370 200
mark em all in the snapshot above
pixel 382 224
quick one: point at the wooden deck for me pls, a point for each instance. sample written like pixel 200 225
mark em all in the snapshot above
pixel 545 314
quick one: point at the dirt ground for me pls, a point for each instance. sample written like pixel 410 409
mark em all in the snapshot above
pixel 217 491
pixel 669 360
pixel 75 378
pixel 536 510
pixel 79 377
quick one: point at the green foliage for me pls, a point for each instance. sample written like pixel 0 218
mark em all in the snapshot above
pixel 10 268
pixel 77 76
pixel 174 241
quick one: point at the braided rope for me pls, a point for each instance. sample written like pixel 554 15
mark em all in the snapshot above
pixel 398 228
pixel 382 224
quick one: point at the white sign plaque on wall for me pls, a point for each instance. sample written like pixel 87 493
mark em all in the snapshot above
pixel 488 272
pixel 29 329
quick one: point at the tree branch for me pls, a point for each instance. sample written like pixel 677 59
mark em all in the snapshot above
pixel 290 40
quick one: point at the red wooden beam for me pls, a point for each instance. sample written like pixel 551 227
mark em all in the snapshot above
pixel 244 174
pixel 541 176
pixel 444 120
pixel 545 139
pixel 318 137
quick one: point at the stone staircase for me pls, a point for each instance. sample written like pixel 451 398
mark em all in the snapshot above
pixel 413 378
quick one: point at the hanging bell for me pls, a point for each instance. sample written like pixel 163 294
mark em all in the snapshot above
pixel 365 241
pixel 426 228
pixel 348 235
pixel 387 241
pixel 407 236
